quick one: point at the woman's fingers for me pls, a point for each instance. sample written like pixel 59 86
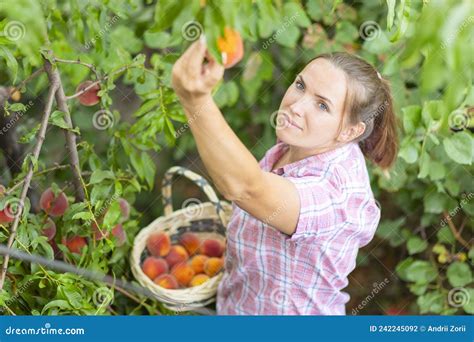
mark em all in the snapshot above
pixel 194 57
pixel 212 72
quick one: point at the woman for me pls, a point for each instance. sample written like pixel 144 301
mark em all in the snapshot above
pixel 302 212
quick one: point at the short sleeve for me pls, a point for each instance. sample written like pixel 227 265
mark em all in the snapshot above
pixel 322 206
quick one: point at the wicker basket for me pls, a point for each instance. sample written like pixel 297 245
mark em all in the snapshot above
pixel 207 220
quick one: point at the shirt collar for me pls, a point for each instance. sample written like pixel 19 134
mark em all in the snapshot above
pixel 311 165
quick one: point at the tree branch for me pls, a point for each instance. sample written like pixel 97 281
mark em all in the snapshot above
pixel 54 78
pixel 456 234
pixel 41 136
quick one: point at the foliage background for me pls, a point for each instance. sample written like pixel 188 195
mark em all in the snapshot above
pixel 421 259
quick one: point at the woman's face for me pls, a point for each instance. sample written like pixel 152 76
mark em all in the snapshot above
pixel 312 108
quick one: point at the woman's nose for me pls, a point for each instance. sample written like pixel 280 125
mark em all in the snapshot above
pixel 298 107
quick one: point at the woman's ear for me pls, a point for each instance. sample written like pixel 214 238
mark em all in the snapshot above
pixel 352 132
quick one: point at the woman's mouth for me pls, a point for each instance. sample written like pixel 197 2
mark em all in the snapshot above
pixel 293 124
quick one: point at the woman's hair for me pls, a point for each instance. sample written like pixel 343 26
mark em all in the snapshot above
pixel 368 99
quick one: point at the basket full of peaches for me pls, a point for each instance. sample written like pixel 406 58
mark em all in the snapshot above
pixel 180 255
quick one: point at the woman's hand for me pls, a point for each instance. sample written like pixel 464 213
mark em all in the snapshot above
pixel 193 80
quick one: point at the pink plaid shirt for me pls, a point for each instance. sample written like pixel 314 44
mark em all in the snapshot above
pixel 270 273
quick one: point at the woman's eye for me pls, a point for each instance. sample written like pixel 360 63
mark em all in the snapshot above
pixel 323 106
pixel 299 85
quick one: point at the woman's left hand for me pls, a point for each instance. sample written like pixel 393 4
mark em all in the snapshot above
pixel 193 80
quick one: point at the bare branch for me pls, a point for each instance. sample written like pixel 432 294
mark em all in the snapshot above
pixel 41 136
pixel 55 78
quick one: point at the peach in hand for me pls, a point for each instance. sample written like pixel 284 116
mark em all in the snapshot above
pixel 232 46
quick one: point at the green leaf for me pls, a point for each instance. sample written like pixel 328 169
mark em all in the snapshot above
pixel 86 215
pixel 99 175
pixel 409 152
pixel 445 235
pixel 12 64
pixel 288 36
pixel 469 306
pixel 459 147
pixel 411 118
pixel 431 302
pixel 459 274
pixel 416 245
pixel 57 119
pixel 391 13
pixel 293 12
pixel 59 303
pixel 421 272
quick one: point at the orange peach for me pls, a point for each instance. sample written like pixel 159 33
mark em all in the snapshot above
pixel 183 273
pixel 212 248
pixel 213 266
pixel 159 244
pixel 199 279
pixel 176 255
pixel 153 267
pixel 75 244
pixel 49 229
pixel 168 281
pixel 232 46
pixel 197 263
pixel 191 242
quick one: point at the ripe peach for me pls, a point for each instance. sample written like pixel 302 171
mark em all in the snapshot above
pixel 176 255
pixel 75 244
pixel 212 248
pixel 168 281
pixel 199 279
pixel 119 234
pixel 15 94
pixel 90 97
pixel 213 266
pixel 197 263
pixel 153 267
pixel 49 229
pixel 159 244
pixel 232 46
pixel 124 208
pixel 54 205
pixel 183 273
pixel 6 215
pixel 191 242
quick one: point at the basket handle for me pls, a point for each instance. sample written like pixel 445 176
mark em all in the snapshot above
pixel 200 181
